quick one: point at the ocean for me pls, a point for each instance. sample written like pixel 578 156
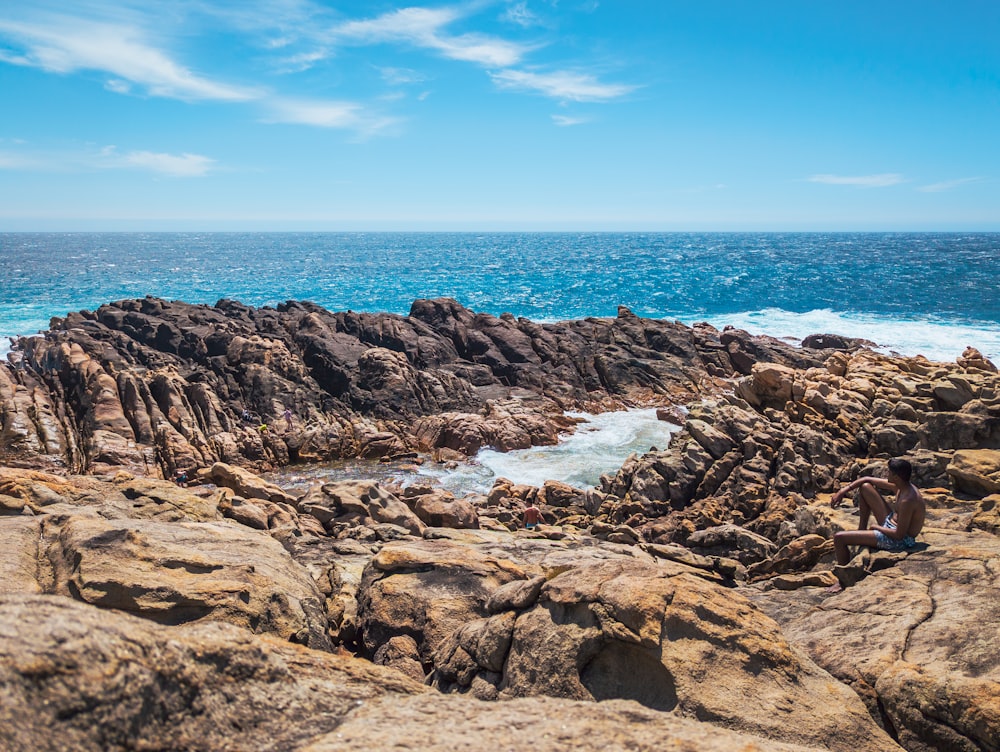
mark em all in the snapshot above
pixel 911 293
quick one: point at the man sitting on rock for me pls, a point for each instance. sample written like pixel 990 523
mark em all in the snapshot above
pixel 898 523
pixel 532 517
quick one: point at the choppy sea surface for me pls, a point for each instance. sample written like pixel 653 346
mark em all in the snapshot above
pixel 912 293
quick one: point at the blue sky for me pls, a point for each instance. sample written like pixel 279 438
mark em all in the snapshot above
pixel 524 114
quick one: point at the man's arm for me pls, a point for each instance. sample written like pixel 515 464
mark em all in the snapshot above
pixel 881 483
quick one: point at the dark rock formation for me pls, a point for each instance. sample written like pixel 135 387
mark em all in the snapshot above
pixel 156 386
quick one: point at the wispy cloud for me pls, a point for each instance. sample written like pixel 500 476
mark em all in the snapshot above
pixel 947 185
pixel 174 165
pixel 565 85
pixel 327 114
pixel 425 27
pixel 882 180
pixel 518 13
pixel 401 76
pixel 565 120
pixel 65 45
pixel 108 158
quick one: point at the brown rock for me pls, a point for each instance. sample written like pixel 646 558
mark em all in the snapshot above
pixel 654 633
pixel 440 508
pixel 180 572
pixel 245 483
pixel 976 471
pixel 916 641
pixel 542 724
pixel 358 501
pixel 75 677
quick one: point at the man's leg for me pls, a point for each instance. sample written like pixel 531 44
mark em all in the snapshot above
pixel 846 538
pixel 870 502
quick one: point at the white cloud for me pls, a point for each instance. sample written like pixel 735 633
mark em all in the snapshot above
pixel 108 158
pixel 519 14
pixel 302 61
pixel 578 87
pixel 65 45
pixel 566 120
pixel 947 185
pixel 423 27
pixel 175 165
pixel 882 180
pixel 327 114
pixel 401 76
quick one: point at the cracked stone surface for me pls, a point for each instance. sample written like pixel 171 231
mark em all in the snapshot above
pixel 918 641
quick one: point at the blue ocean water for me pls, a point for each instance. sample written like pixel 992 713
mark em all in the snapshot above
pixel 915 293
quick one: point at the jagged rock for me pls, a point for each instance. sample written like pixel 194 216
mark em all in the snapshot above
pixel 606 623
pixel 745 546
pixel 347 502
pixel 245 483
pixel 987 515
pixel 400 652
pixel 972 359
pixel 799 554
pixel 631 629
pixel 158 386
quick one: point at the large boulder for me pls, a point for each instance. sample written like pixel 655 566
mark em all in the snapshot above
pixel 180 572
pixel 976 471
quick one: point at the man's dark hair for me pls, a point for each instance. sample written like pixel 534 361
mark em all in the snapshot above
pixel 901 468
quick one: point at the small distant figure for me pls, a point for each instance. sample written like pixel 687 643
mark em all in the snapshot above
pixel 287 415
pixel 262 428
pixel 247 417
pixel 898 522
pixel 181 478
pixel 532 517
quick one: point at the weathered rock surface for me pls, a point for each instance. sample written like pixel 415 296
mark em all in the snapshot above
pixel 502 618
pixel 76 677
pixel 541 724
pixel 917 641
pixel 154 386
pixel 152 549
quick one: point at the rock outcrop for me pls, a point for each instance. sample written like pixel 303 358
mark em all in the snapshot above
pixel 157 387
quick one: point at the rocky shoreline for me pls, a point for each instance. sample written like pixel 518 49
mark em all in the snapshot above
pixel 685 592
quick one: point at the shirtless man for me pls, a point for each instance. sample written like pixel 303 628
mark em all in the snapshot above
pixel 532 516
pixel 898 523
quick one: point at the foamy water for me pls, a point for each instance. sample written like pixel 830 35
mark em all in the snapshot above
pixel 933 338
pixel 599 445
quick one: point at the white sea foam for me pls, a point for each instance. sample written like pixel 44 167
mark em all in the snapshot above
pixel 599 445
pixel 937 340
